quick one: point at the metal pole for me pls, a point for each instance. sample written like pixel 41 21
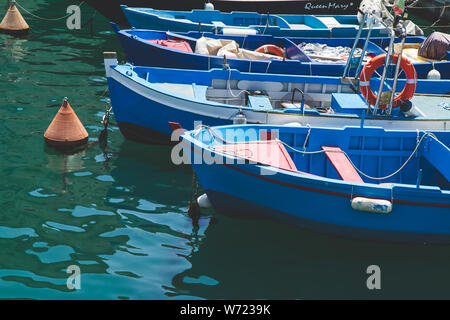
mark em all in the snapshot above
pixel 397 68
pixel 361 59
pixel 383 77
pixel 358 36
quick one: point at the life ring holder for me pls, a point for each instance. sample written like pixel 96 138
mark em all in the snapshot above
pixel 376 62
pixel 271 49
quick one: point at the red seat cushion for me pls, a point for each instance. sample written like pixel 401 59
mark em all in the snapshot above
pixel 173 44
pixel 342 165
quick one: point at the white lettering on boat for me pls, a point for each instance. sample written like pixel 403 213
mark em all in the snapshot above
pixel 329 5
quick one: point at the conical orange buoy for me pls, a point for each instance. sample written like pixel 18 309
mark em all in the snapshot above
pixel 13 22
pixel 66 130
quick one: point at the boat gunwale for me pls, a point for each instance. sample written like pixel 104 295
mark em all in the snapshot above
pixel 150 85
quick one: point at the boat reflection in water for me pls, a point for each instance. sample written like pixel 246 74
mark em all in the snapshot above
pixel 263 259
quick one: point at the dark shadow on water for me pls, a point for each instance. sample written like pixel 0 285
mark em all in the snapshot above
pixel 242 259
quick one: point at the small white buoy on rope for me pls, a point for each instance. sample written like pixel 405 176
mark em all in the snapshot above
pixel 204 202
pixel 240 118
pixel 434 75
pixel 13 23
pixel 209 6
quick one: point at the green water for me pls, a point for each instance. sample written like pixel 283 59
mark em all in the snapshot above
pixel 120 214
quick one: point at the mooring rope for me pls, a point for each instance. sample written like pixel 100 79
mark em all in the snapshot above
pixel 43 18
pixel 361 172
pixel 229 86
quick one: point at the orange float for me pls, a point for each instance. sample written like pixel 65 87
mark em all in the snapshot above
pixel 66 130
pixel 271 49
pixel 376 62
pixel 13 22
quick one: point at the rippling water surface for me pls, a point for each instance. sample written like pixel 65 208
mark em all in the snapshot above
pixel 120 213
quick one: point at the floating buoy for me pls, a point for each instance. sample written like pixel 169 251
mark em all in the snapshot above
pixel 240 118
pixel 66 130
pixel 209 6
pixel 203 201
pixel 13 22
pixel 434 75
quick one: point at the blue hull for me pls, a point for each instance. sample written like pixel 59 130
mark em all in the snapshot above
pixel 143 109
pixel 324 203
pixel 237 207
pixel 203 21
pixel 144 53
pixel 147 121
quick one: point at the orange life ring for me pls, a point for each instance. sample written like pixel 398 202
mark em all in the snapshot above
pixel 271 49
pixel 376 62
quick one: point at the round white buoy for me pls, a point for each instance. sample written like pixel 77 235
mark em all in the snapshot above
pixel 433 75
pixel 240 118
pixel 203 201
pixel 209 6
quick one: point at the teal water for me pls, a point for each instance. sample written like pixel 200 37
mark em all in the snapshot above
pixel 120 213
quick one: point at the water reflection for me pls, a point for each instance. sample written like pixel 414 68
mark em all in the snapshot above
pixel 120 211
pixel 262 259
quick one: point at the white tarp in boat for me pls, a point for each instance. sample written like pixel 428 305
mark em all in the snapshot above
pixel 228 48
pixel 323 53
pixel 379 9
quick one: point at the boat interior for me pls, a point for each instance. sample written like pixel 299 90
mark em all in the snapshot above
pixel 322 95
pixel 292 46
pixel 244 19
pixel 374 151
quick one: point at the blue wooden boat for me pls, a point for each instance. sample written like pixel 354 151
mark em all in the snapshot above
pixel 111 8
pixel 285 25
pixel 141 48
pixel 358 182
pixel 145 99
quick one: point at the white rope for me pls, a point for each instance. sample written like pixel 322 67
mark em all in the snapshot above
pixel 268 65
pixel 229 86
pixel 357 169
pixel 399 169
pixel 306 139
pixel 46 19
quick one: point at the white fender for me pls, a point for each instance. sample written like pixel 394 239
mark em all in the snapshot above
pixel 434 74
pixel 371 205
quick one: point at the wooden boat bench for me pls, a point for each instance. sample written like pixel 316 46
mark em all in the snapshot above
pixel 342 165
